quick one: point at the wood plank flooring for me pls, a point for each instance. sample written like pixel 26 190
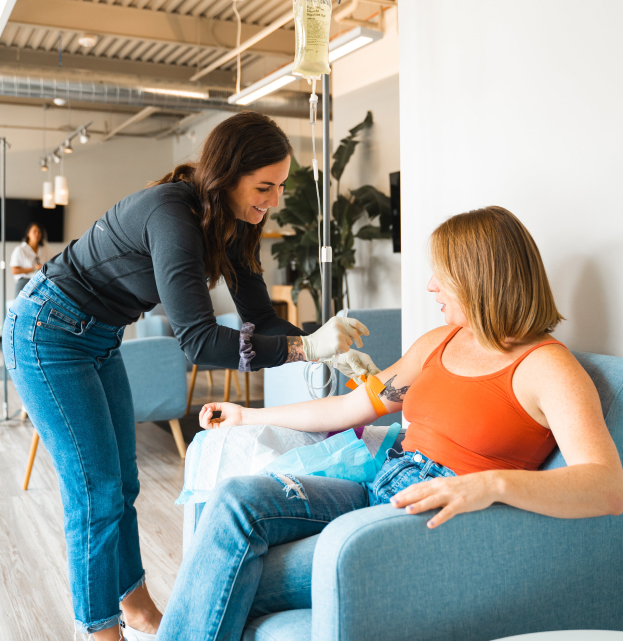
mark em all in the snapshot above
pixel 35 603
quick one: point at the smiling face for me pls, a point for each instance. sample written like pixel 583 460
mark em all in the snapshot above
pixel 450 306
pixel 255 193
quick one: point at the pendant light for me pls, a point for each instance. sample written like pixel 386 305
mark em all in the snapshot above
pixel 61 189
pixel 48 187
pixel 48 195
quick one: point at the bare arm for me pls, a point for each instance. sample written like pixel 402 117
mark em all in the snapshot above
pixel 24 270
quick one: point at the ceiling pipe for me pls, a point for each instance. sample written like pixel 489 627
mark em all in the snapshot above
pixel 230 55
pixel 141 115
pixel 87 89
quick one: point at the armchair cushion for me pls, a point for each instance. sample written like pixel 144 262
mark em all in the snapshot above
pixel 156 368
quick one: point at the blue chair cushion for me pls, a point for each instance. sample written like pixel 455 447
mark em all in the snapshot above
pixel 156 368
pixel 293 625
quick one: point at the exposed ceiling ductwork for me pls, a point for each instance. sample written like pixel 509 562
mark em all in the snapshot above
pixel 89 88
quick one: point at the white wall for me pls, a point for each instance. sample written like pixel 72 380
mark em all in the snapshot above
pixel 519 104
pixel 367 80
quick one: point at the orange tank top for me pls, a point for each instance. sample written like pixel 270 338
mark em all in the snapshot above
pixel 473 423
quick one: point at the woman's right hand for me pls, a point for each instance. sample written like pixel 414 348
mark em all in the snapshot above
pixel 231 415
pixel 334 337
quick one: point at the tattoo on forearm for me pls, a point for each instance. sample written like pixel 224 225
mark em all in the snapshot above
pixel 393 394
pixel 295 349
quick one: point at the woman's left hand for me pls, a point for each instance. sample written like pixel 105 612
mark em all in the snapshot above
pixel 457 494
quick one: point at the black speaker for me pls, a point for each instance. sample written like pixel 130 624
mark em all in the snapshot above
pixel 394 193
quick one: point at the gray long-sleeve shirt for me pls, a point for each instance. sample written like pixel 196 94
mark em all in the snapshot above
pixel 148 249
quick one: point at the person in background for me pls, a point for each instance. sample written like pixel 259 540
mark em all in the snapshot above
pixel 26 259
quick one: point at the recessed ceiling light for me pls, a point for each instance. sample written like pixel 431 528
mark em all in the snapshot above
pixel 88 40
pixel 60 102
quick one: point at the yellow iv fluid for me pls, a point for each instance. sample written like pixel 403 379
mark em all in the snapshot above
pixel 312 22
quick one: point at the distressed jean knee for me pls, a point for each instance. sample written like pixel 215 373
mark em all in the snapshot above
pixel 291 486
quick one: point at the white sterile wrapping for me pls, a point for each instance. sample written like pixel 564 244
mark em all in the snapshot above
pixel 236 451
pixel 245 450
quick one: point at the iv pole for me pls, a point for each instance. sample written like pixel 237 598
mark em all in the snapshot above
pixel 326 201
pixel 5 373
pixel 325 264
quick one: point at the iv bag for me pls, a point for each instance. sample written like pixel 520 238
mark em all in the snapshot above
pixel 312 22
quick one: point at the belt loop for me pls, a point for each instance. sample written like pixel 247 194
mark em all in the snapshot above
pixel 90 324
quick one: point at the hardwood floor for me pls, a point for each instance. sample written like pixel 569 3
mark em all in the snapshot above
pixel 35 603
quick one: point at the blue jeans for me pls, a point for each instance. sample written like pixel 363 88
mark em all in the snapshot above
pixel 223 580
pixel 71 378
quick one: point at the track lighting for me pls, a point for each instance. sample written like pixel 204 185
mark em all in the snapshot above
pixel 44 164
pixel 67 148
pixel 84 137
pixel 56 157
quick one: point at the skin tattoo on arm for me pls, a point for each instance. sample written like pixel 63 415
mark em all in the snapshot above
pixel 393 394
pixel 295 349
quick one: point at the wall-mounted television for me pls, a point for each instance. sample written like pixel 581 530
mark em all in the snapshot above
pixel 20 212
pixel 394 191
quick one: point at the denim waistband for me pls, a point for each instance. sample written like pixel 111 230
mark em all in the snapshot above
pixel 41 286
pixel 425 464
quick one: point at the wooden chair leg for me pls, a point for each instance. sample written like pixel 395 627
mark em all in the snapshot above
pixel 31 458
pixel 227 385
pixel 234 375
pixel 210 379
pixel 23 415
pixel 177 435
pixel 246 389
pixel 193 378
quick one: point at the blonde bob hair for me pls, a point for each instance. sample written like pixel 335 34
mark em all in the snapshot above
pixel 490 262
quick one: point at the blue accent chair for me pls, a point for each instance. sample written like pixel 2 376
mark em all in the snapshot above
pixel 156 368
pixel 155 323
pixel 381 574
pixel 285 385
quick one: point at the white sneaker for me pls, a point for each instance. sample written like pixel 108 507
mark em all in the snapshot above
pixel 130 634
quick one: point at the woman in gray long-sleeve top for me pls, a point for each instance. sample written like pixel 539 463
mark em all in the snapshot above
pixel 169 243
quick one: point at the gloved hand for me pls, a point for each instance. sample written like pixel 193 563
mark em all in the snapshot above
pixel 354 364
pixel 334 337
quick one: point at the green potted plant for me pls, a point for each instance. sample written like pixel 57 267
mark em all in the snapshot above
pixel 300 249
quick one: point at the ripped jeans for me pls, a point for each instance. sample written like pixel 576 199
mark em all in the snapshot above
pixel 215 589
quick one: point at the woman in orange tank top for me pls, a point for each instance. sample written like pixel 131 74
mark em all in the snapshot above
pixel 488 395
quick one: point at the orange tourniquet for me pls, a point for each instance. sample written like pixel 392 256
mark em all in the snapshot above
pixel 374 387
pixel 473 423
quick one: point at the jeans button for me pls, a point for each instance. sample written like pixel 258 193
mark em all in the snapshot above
pixel 418 458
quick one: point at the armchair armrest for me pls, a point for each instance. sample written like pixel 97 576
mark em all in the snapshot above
pixel 381 574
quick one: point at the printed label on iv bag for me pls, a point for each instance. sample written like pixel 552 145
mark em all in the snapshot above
pixel 312 22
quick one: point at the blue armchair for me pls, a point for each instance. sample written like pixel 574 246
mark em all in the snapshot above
pixel 156 370
pixel 286 384
pixel 381 574
pixel 155 323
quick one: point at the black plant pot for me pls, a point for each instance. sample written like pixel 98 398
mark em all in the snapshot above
pixel 310 328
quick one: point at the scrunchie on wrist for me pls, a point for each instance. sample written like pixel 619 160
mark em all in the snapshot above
pixel 246 349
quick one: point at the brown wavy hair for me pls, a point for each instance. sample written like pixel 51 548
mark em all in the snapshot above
pixel 236 147
pixel 491 263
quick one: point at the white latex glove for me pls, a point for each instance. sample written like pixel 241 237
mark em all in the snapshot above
pixel 354 364
pixel 334 337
